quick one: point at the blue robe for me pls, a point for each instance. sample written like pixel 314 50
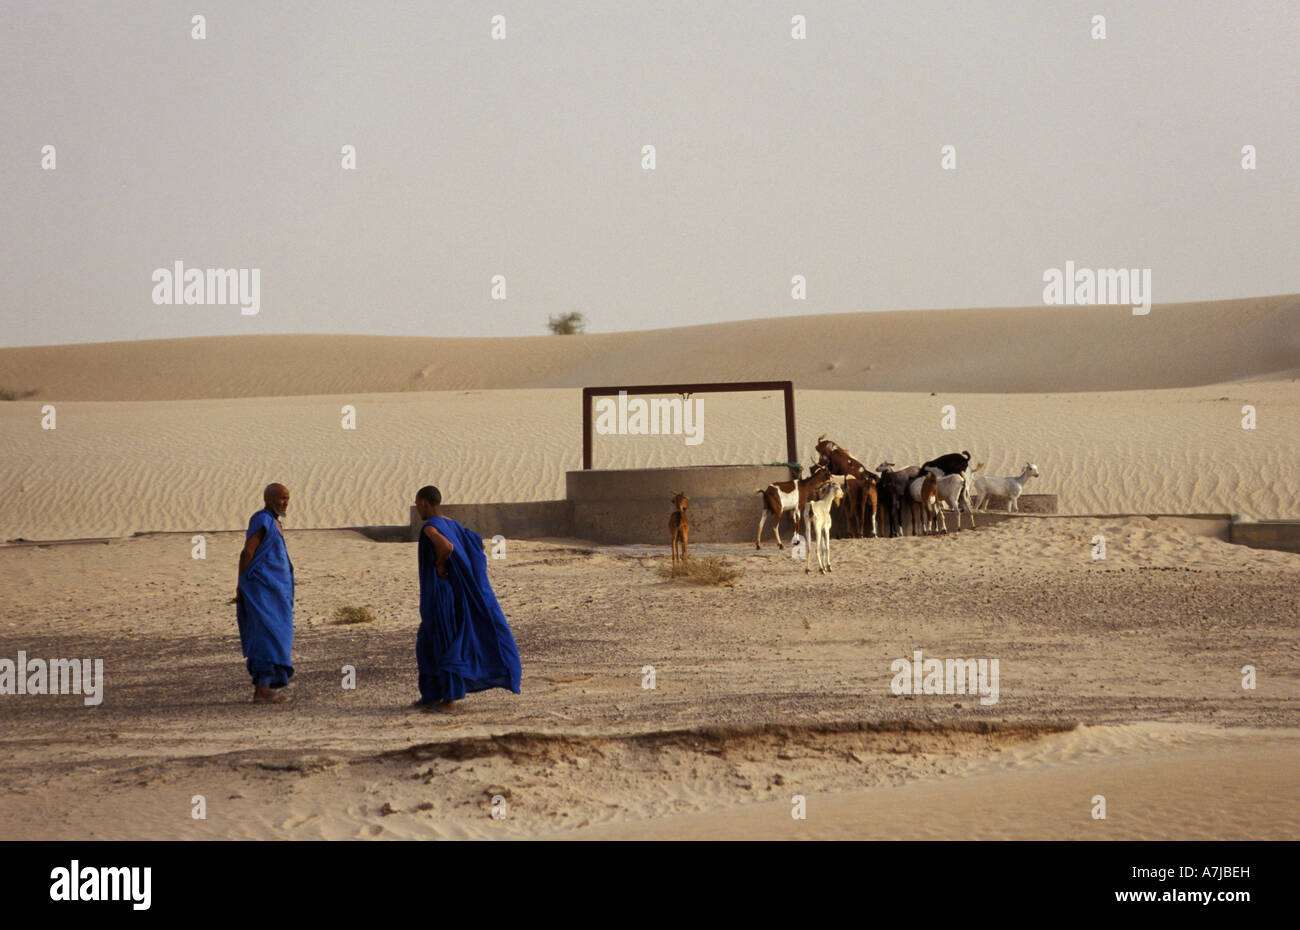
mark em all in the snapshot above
pixel 265 610
pixel 464 643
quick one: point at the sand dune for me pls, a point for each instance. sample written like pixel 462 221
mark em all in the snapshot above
pixel 1120 413
pixel 117 468
pixel 1016 350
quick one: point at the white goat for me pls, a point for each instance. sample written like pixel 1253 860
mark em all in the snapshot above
pixel 817 523
pixel 953 490
pixel 1009 488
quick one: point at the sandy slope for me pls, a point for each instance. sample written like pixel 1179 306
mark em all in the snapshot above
pixel 1027 349
pixel 112 468
pixel 1160 783
pixel 778 686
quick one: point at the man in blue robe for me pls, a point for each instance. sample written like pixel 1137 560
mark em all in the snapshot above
pixel 264 599
pixel 464 643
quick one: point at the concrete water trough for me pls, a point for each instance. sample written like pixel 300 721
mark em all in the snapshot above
pixel 1266 534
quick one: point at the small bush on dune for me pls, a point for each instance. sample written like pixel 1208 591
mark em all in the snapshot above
pixel 567 324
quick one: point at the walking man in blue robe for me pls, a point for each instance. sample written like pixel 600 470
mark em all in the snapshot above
pixel 464 643
pixel 264 599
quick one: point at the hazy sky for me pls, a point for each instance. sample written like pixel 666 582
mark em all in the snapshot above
pixel 775 157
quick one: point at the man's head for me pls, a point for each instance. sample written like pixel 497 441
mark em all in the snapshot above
pixel 427 500
pixel 276 497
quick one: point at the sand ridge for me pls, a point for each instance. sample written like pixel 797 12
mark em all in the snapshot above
pixel 1008 350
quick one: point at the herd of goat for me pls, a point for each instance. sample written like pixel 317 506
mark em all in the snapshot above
pixel 874 502
pixel 871 501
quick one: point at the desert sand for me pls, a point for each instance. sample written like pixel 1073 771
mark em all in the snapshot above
pixel 1120 677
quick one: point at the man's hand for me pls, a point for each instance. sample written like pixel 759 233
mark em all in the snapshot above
pixel 442 550
pixel 250 549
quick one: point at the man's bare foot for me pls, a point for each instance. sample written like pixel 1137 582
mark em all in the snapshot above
pixel 262 694
pixel 439 707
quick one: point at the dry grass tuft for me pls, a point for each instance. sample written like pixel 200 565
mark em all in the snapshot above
pixel 709 570
pixel 353 614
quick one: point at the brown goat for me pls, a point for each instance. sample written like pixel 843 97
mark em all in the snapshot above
pixel 836 458
pixel 787 495
pixel 678 526
pixel 925 491
pixel 860 501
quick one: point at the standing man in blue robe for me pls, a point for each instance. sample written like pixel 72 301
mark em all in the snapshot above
pixel 264 599
pixel 464 643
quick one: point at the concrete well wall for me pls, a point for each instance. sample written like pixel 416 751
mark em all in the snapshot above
pixel 1028 503
pixel 619 506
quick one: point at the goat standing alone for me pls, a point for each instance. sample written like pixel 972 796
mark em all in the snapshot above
pixel 1010 488
pixel 678 526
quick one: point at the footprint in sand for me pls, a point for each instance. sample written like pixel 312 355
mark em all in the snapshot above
pixel 297 822
pixel 567 679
